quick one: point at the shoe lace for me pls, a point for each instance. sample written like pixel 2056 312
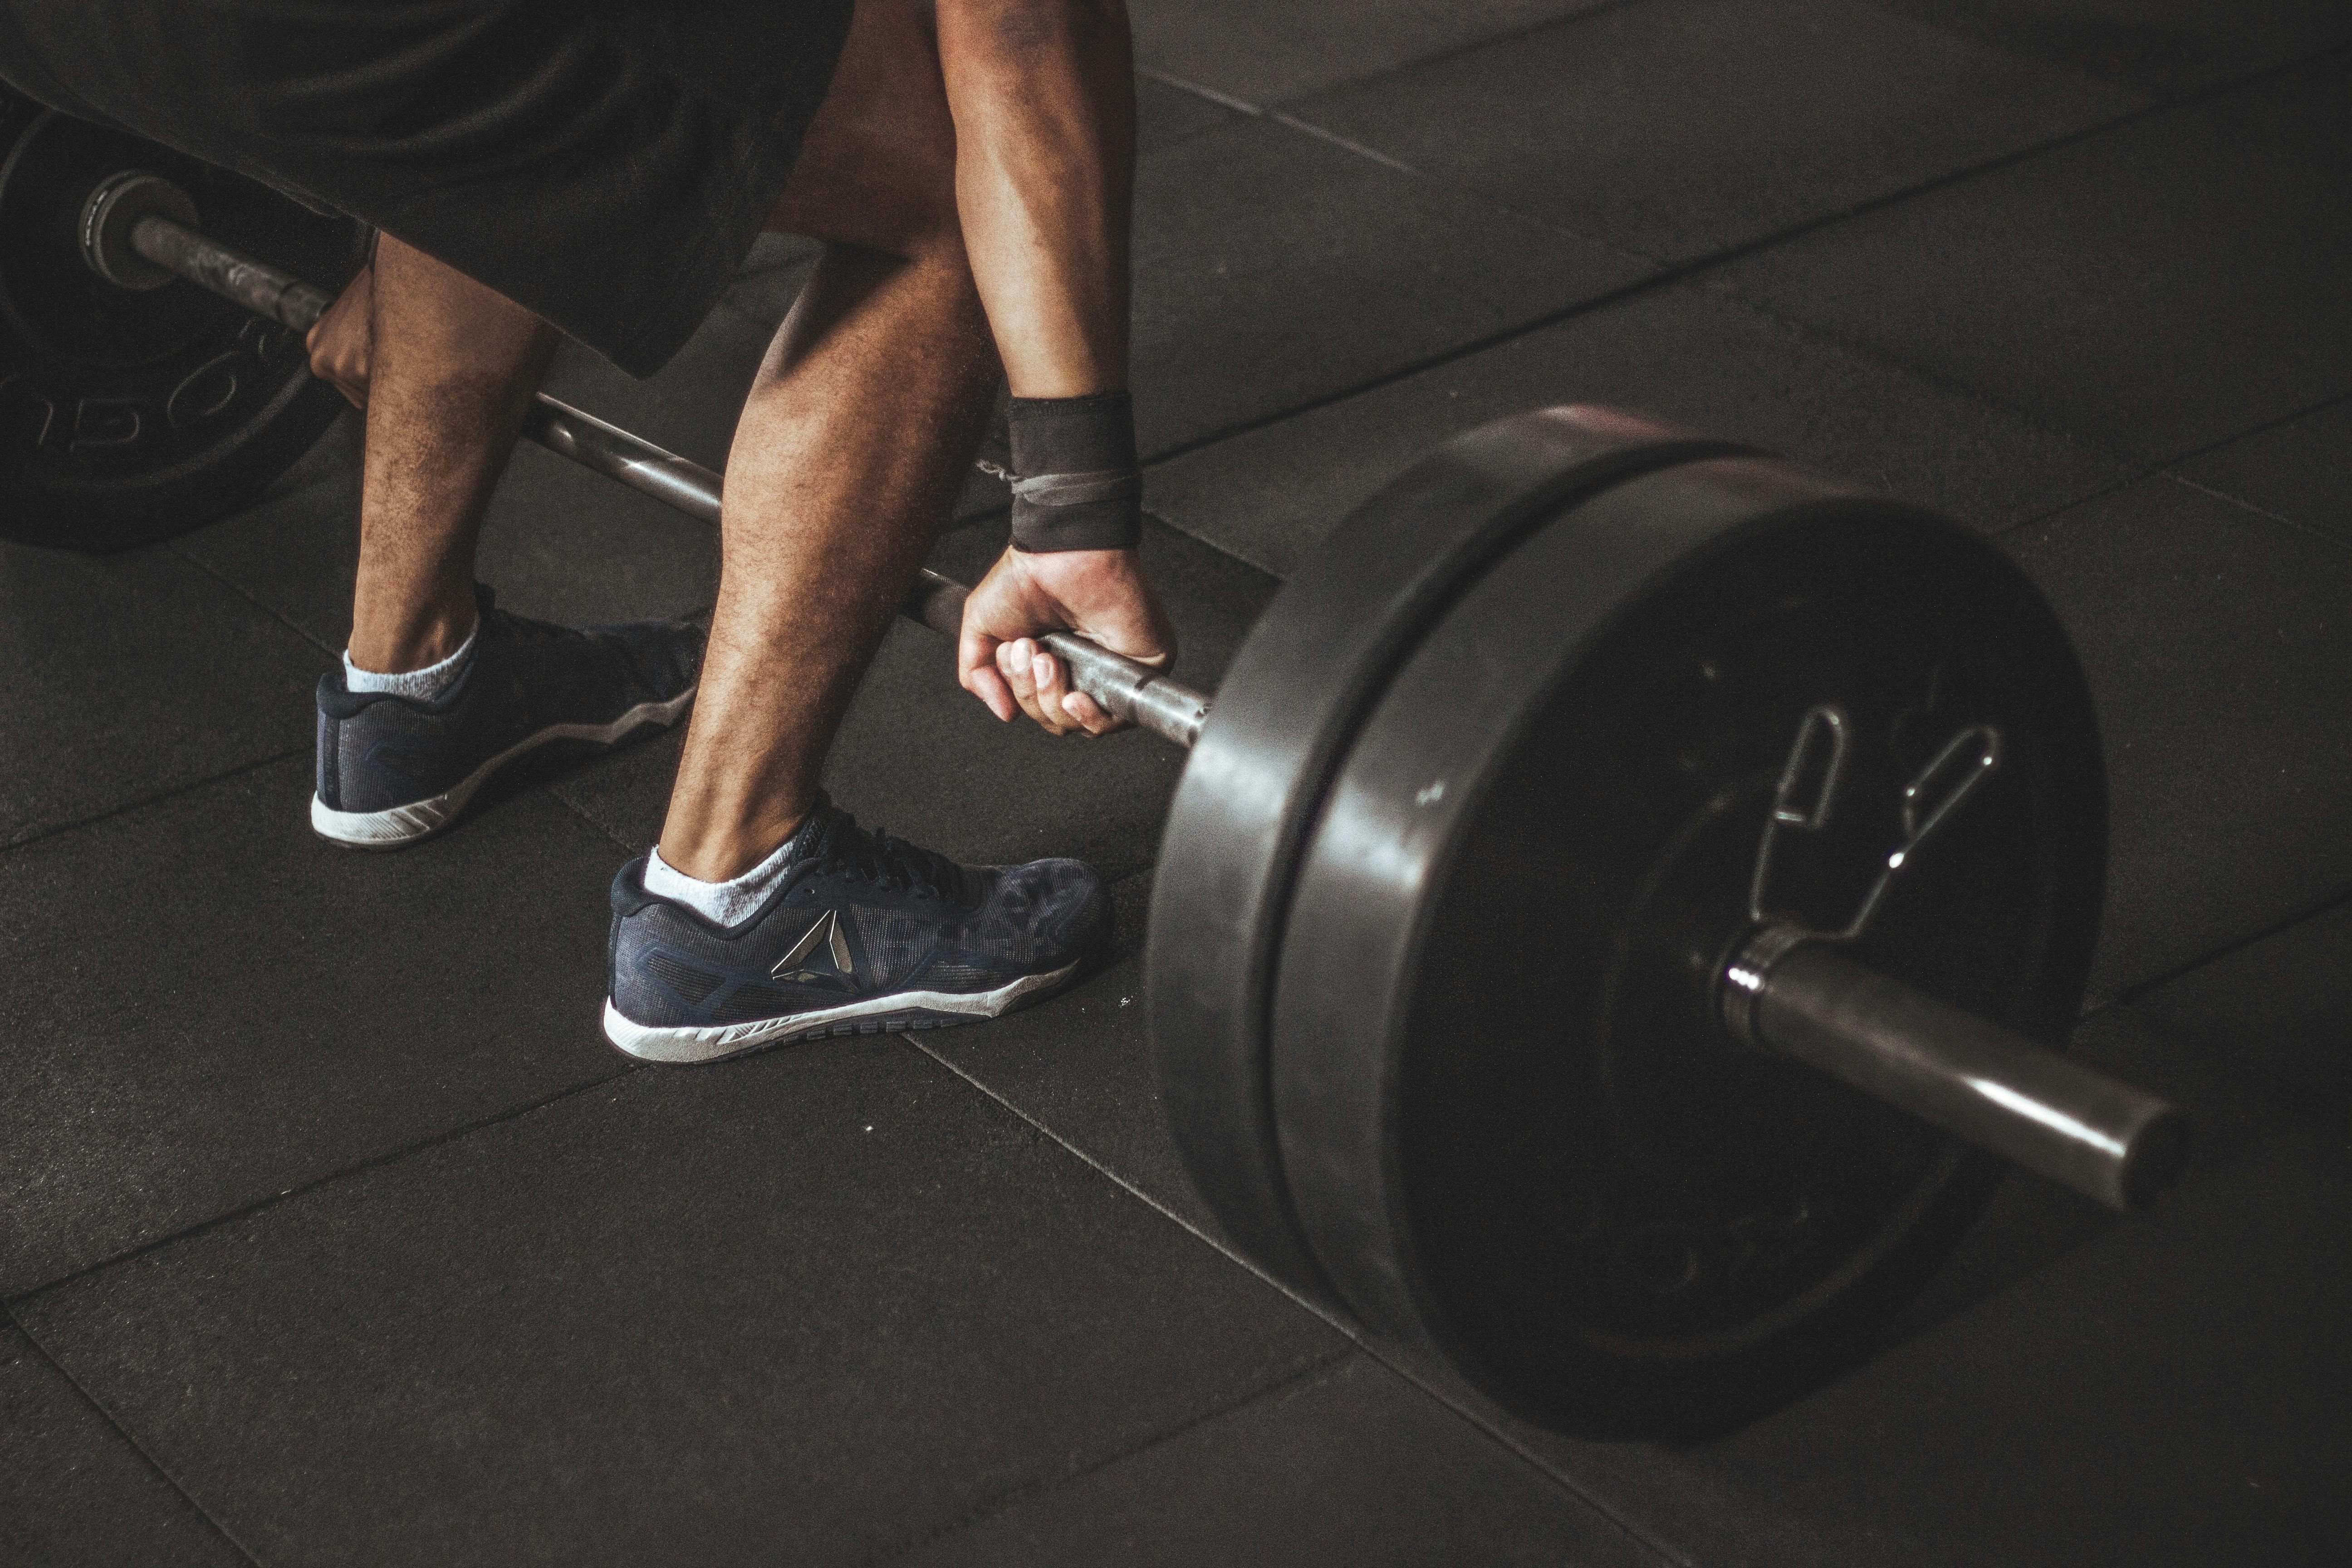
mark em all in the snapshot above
pixel 885 860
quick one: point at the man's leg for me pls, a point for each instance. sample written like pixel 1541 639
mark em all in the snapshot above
pixel 762 916
pixel 410 730
pixel 852 448
pixel 453 366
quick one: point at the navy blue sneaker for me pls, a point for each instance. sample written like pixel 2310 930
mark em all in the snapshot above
pixel 864 933
pixel 393 770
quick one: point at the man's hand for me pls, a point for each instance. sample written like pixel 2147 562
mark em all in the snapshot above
pixel 340 341
pixel 1098 593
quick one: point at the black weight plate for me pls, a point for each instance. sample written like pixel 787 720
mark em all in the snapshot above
pixel 1514 1132
pixel 128 416
pixel 1289 700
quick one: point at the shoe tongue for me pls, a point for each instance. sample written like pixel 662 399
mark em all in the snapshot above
pixel 821 831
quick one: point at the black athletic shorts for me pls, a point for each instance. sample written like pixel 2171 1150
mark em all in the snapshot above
pixel 603 162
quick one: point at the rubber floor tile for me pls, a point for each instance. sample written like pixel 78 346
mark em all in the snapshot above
pixel 2163 285
pixel 806 1307
pixel 125 678
pixel 1272 268
pixel 2300 470
pixel 1351 1465
pixel 2278 1010
pixel 1080 1067
pixel 74 1490
pixel 2156 1390
pixel 1684 356
pixel 1675 129
pixel 294 551
pixel 2165 47
pixel 205 1006
pixel 919 754
pixel 1265 54
pixel 2219 655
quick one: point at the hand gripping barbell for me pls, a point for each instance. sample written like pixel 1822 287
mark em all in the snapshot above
pixel 1587 778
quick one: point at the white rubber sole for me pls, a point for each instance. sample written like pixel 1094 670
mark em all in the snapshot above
pixel 422 818
pixel 681 1045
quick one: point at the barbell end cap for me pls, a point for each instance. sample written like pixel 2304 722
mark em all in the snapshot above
pixel 2158 1157
pixel 113 210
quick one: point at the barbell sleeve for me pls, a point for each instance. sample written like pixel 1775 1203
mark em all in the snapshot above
pixel 1124 687
pixel 2000 1091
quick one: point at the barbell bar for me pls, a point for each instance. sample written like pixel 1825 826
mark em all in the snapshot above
pixel 1770 983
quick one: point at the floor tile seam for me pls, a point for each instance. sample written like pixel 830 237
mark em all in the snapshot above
pixel 2136 467
pixel 1353 1332
pixel 1046 1485
pixel 596 823
pixel 2137 990
pixel 1862 351
pixel 2047 513
pixel 2108 78
pixel 1564 21
pixel 1455 188
pixel 158 797
pixel 2147 108
pixel 2265 514
pixel 2167 475
pixel 137 1446
pixel 303 1189
pixel 242 592
pixel 1418 62
pixel 2153 108
pixel 2260 428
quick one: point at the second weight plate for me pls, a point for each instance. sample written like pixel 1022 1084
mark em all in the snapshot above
pixel 1513 1131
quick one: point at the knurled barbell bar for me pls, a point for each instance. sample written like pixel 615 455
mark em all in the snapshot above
pixel 1587 779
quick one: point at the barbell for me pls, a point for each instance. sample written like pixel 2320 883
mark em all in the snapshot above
pixel 1623 892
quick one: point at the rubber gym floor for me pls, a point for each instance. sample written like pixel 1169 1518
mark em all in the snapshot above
pixel 333 1233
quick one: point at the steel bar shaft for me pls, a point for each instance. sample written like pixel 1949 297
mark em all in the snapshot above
pixel 1998 1090
pixel 1125 689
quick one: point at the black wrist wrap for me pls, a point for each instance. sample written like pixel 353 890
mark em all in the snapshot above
pixel 1079 487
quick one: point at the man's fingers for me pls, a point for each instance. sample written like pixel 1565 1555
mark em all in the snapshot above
pixel 1088 714
pixel 1055 695
pixel 1018 661
pixel 976 669
pixel 1014 664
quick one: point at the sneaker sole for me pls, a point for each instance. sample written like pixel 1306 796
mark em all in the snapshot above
pixel 890 1013
pixel 404 825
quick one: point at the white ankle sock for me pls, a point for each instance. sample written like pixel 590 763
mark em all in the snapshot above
pixel 723 903
pixel 416 685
